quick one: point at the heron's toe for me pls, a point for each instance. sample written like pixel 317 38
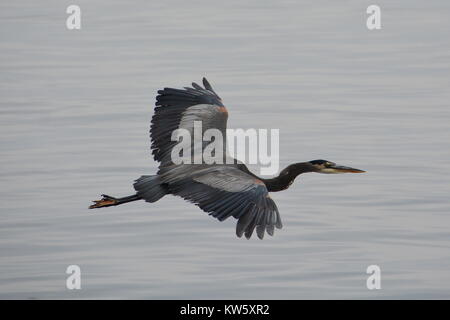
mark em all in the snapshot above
pixel 106 201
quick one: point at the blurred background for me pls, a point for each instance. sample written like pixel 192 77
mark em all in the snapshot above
pixel 75 109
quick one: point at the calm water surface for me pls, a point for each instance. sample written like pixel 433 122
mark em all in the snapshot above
pixel 74 117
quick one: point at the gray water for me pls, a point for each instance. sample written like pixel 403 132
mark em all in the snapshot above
pixel 74 116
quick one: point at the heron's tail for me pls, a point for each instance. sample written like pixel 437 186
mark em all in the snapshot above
pixel 149 188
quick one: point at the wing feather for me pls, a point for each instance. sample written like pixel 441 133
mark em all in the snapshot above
pixel 225 191
pixel 175 107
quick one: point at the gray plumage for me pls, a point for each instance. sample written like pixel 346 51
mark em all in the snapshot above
pixel 223 191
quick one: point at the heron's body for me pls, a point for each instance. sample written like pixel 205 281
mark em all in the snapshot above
pixel 222 190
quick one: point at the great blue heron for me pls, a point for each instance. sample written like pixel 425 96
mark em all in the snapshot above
pixel 222 190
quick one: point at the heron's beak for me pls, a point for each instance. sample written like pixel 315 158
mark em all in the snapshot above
pixel 343 169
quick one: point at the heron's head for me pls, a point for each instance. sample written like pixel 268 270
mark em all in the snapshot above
pixel 325 166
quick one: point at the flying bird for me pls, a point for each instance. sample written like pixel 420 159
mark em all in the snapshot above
pixel 222 190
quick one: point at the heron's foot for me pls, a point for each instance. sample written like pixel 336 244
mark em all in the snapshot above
pixel 106 201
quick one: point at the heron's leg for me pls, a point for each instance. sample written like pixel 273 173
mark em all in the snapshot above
pixel 108 201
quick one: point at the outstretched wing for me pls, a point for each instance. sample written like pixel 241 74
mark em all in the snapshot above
pixel 178 109
pixel 225 191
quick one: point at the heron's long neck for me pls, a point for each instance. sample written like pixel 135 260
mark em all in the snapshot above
pixel 286 177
